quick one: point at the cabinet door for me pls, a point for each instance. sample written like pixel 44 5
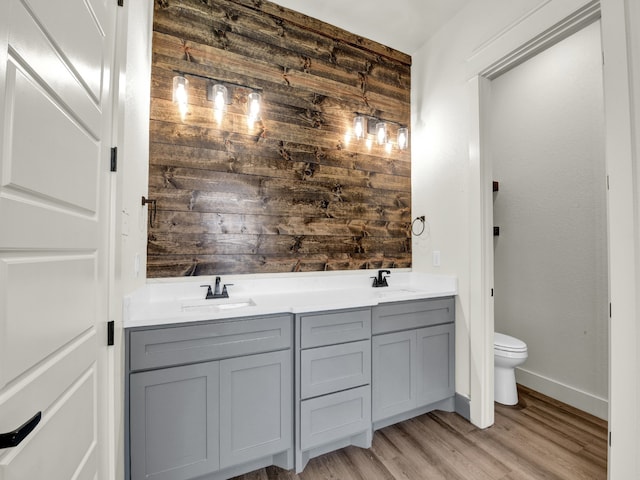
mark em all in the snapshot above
pixel 435 370
pixel 174 422
pixel 256 407
pixel 393 384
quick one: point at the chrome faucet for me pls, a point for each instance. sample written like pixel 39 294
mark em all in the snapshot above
pixel 381 279
pixel 217 293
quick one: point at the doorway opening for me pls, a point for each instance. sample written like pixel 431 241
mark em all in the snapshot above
pixel 547 149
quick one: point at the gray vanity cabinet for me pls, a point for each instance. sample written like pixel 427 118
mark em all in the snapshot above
pixel 210 400
pixel 413 359
pixel 174 426
pixel 256 410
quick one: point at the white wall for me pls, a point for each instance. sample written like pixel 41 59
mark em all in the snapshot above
pixel 440 150
pixel 551 282
pixel 129 236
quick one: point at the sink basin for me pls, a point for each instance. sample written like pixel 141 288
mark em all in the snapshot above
pixel 395 292
pixel 217 305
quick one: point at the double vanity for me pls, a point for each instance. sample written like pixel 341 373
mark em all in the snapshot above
pixel 223 386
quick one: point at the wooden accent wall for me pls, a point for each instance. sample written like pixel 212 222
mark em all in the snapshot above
pixel 291 194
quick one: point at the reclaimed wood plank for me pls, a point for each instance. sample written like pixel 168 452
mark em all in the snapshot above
pixel 245 244
pixel 193 265
pixel 252 72
pixel 237 146
pixel 202 201
pixel 295 49
pixel 280 98
pixel 269 163
pixel 267 128
pixel 210 223
pixel 332 31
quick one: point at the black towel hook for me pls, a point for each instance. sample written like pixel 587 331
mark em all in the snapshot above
pixel 152 211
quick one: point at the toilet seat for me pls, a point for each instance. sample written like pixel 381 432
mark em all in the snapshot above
pixel 507 344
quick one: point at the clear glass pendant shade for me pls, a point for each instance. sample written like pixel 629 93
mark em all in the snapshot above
pixel 181 94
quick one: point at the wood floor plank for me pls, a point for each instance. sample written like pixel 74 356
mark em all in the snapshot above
pixel 454 462
pixel 539 439
pixel 498 444
pixel 596 452
pixel 542 426
pixel 564 412
pixel 454 422
pixel 558 462
pixel 414 460
pixel 368 464
pixel 470 454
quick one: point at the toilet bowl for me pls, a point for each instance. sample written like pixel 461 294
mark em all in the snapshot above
pixel 508 353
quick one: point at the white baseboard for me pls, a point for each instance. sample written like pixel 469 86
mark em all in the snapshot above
pixel 584 401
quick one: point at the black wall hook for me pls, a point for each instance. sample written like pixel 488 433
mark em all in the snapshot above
pixel 152 211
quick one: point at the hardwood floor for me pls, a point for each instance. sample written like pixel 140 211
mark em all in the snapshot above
pixel 540 438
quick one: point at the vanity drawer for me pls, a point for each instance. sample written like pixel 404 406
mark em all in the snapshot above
pixel 334 417
pixel 197 343
pixel 318 329
pixel 338 367
pixel 393 317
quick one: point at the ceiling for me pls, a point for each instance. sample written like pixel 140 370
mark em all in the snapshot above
pixel 402 24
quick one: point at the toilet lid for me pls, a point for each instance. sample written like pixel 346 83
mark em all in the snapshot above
pixel 507 343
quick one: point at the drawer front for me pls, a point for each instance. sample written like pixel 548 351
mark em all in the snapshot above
pixel 197 343
pixel 338 367
pixel 320 329
pixel 394 317
pixel 333 417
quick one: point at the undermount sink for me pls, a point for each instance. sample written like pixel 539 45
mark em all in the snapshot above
pixel 394 292
pixel 215 305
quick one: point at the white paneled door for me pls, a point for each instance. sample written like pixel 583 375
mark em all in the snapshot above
pixel 55 131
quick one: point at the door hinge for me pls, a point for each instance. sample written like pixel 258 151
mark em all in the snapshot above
pixel 121 3
pixel 609 309
pixel 607 182
pixel 492 292
pixel 114 159
pixel 110 333
pixel 609 438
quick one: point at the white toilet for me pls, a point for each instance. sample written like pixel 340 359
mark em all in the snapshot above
pixel 508 352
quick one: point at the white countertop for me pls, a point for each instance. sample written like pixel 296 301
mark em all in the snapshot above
pixel 170 302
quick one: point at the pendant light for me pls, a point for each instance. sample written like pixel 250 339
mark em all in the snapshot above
pixel 403 138
pixel 381 133
pixel 359 127
pixel 253 100
pixel 181 94
pixel 220 97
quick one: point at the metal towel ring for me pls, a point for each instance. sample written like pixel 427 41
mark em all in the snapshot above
pixel 422 219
